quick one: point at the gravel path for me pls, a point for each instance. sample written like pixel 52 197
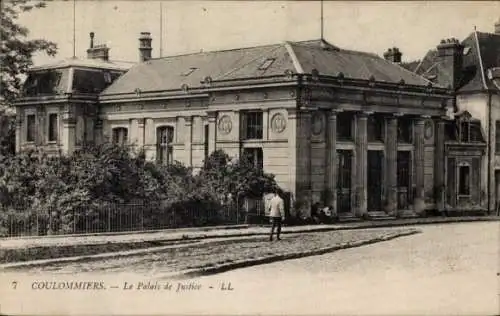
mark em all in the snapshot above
pixel 212 254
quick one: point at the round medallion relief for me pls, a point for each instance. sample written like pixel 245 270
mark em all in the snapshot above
pixel 225 124
pixel 317 123
pixel 278 123
pixel 428 129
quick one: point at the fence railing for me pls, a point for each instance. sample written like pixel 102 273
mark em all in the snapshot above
pixel 114 218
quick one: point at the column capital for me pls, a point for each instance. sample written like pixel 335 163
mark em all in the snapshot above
pixel 69 121
pixel 188 120
pixel 212 115
pixel 419 121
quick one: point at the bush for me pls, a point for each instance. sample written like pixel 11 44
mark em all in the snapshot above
pixel 69 194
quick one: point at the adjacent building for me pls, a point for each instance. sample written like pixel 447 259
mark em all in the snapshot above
pixel 343 128
pixel 471 69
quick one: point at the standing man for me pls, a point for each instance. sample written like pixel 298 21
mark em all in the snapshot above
pixel 276 214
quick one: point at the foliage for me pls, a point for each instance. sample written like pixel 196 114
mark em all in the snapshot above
pixel 17 50
pixel 237 178
pixel 63 194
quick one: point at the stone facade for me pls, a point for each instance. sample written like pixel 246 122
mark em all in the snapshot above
pixel 359 145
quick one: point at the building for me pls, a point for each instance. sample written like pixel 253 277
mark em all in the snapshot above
pixel 59 107
pixel 471 69
pixel 344 128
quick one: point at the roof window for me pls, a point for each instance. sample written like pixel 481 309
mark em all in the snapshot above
pixel 266 64
pixel 466 50
pixel 190 71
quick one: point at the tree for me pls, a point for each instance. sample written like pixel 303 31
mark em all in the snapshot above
pixel 17 50
pixel 15 58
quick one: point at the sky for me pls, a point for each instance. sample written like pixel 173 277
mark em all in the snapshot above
pixel 190 26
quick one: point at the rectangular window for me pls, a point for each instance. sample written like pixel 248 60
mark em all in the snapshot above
pixel 497 137
pixel 120 135
pixel 344 169
pixel 375 128
pixel 206 142
pixel 253 123
pixel 465 132
pixel 164 144
pixel 254 156
pixel 344 126
pixel 404 169
pixel 30 128
pixel 53 128
pixel 404 130
pixel 464 180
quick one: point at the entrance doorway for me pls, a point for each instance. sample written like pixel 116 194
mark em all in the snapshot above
pixel 344 169
pixel 374 180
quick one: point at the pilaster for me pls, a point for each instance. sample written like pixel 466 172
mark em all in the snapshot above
pixel 150 139
pixel 212 131
pixel 69 132
pixel 99 139
pixel 188 121
pixel 361 153
pixel 439 165
pixel 19 132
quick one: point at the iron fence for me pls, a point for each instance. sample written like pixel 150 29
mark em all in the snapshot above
pixel 114 218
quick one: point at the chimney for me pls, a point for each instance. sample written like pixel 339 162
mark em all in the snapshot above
pixel 145 46
pixel 97 51
pixel 450 53
pixel 497 27
pixel 393 55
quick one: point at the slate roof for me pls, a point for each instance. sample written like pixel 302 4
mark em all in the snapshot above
pixel 481 52
pixel 170 73
pixel 88 77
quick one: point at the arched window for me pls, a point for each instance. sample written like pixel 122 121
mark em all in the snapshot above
pixel 164 142
pixel 120 136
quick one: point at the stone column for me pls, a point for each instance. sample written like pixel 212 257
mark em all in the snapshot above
pixel 188 121
pixel 392 165
pixel 361 159
pixel 419 198
pixel 212 130
pixel 439 164
pixel 331 161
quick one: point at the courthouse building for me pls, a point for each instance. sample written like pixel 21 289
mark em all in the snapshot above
pixel 344 128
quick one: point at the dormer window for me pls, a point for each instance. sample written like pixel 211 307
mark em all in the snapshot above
pixel 464 130
pixel 107 77
pixel 266 64
pixel 189 71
